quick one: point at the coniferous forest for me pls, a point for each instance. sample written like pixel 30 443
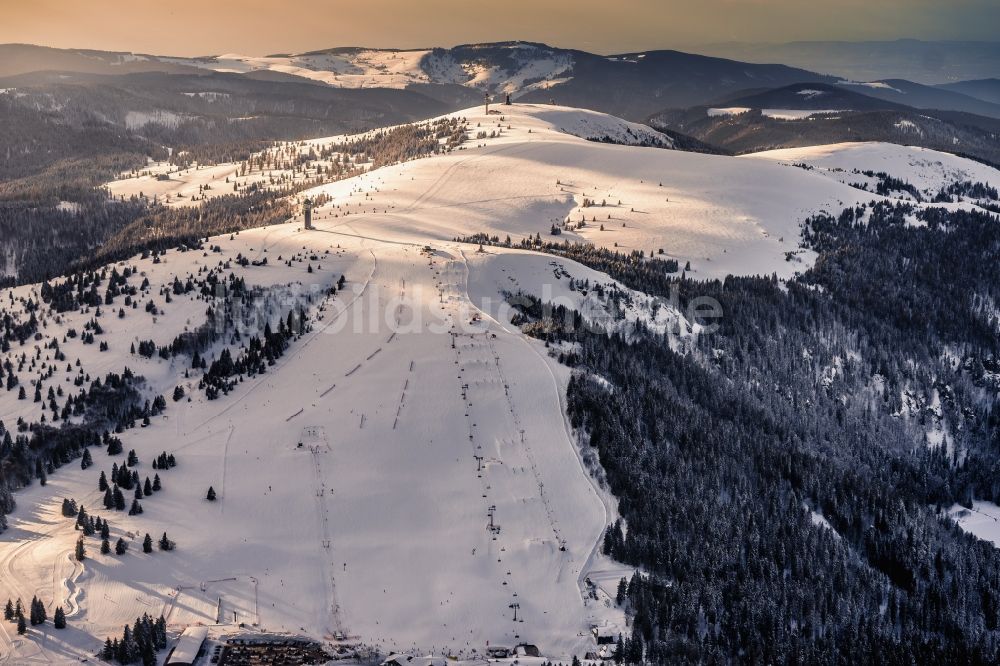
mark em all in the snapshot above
pixel 781 490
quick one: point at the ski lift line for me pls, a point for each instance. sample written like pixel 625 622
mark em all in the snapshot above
pixel 325 539
pixel 225 465
pixel 517 423
pixel 527 447
pixel 323 394
pixel 353 370
pixel 492 528
pixel 294 415
pixel 569 436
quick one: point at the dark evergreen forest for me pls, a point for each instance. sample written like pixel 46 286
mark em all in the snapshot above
pixel 813 398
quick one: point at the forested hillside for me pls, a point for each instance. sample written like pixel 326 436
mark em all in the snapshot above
pixel 783 486
pixel 59 220
pixel 746 130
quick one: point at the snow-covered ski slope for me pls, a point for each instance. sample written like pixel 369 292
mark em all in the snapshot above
pixel 421 411
pixel 418 415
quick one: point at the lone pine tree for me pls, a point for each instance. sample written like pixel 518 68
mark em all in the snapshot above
pixel 37 613
pixel 59 618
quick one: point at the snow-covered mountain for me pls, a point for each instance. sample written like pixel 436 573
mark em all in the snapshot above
pixel 529 167
pixel 987 90
pixel 402 476
pixel 812 97
pixel 535 166
pixel 915 95
pixel 923 61
pixel 631 85
pixel 513 68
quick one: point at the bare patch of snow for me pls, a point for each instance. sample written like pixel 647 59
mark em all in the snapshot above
pixel 728 111
pixel 798 114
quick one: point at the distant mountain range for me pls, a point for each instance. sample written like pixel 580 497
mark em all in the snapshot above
pixel 984 89
pixel 812 97
pixel 919 96
pixel 631 85
pixel 927 62
pixel 891 94
pixel 233 100
pixel 740 128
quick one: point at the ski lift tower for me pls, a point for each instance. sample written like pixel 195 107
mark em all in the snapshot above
pixel 307 212
pixel 486 99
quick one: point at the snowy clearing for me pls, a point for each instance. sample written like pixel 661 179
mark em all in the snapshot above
pixel 799 114
pixel 728 111
pixel 982 520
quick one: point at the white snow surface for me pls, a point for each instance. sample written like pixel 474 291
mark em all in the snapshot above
pixel 870 84
pixel 798 114
pixel 928 170
pixel 724 215
pixel 377 526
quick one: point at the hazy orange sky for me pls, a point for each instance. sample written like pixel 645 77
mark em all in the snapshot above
pixel 257 27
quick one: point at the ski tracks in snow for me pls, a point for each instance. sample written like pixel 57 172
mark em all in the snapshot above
pixel 609 511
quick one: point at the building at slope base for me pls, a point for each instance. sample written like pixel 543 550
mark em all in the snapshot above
pixel 186 651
